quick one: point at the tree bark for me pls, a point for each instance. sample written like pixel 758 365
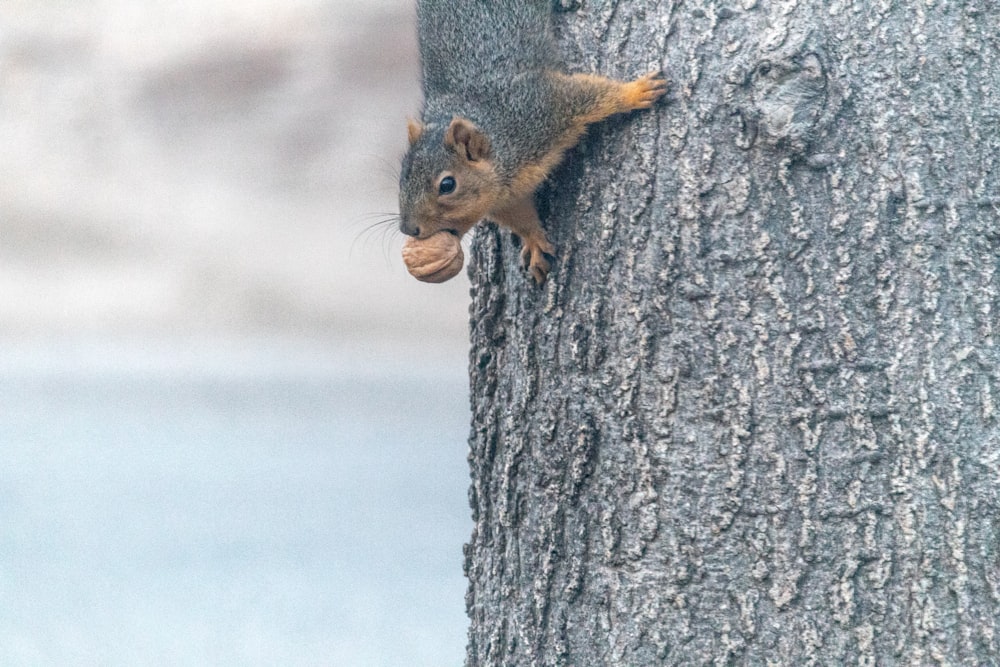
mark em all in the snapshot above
pixel 751 419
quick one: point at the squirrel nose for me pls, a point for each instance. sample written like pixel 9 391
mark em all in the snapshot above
pixel 407 227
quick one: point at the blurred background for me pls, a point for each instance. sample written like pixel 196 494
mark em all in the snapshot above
pixel 232 427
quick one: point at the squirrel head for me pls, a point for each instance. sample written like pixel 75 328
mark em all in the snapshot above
pixel 447 181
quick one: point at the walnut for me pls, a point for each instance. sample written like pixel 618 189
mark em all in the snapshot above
pixel 435 259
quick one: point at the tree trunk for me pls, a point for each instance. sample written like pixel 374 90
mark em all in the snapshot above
pixel 752 417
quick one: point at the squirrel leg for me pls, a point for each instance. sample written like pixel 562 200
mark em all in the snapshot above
pixel 580 100
pixel 521 217
pixel 605 97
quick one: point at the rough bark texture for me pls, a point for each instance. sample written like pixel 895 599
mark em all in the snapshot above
pixel 752 418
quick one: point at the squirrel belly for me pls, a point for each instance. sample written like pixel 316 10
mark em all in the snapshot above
pixel 499 114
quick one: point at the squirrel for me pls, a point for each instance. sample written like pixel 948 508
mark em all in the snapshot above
pixel 498 115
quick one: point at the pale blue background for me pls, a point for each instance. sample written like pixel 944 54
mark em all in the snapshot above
pixel 232 428
pixel 272 505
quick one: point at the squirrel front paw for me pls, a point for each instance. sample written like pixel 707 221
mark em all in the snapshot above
pixel 533 257
pixel 644 91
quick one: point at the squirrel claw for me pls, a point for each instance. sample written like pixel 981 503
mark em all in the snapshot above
pixel 533 258
pixel 646 90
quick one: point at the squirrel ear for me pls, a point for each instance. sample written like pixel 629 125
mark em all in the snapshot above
pixel 413 130
pixel 467 139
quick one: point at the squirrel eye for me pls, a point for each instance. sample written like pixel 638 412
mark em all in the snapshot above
pixel 447 185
